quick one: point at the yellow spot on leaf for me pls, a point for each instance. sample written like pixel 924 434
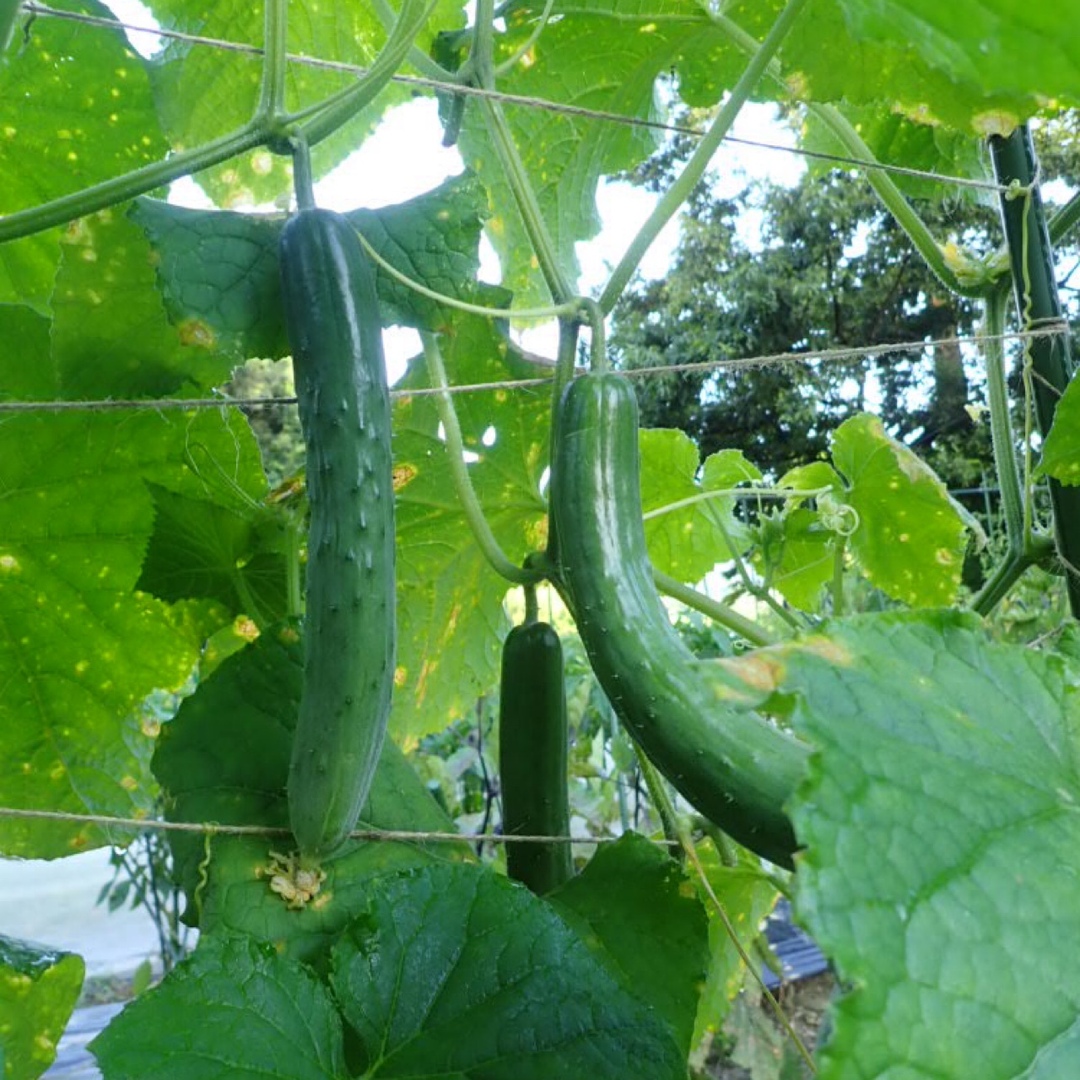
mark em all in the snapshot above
pixel 995 122
pixel 403 474
pixel 198 333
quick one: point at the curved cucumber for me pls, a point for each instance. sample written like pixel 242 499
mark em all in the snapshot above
pixel 733 766
pixel 533 756
pixel 332 318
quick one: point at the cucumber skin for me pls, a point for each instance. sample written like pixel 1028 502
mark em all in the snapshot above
pixel 533 756
pixel 332 319
pixel 731 765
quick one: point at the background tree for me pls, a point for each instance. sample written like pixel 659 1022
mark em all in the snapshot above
pixel 830 270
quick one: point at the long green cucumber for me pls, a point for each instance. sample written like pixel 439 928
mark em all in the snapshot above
pixel 332 319
pixel 533 756
pixel 733 766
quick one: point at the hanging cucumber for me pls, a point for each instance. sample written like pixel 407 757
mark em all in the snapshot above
pixel 533 756
pixel 734 767
pixel 332 319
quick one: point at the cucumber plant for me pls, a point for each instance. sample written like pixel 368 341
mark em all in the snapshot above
pixel 125 537
pixel 332 317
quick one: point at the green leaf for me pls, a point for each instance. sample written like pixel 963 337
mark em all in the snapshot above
pixel 81 650
pixel 450 602
pixel 991 47
pixel 896 140
pixel 636 904
pixel 110 335
pixel 202 549
pixel 67 124
pixel 601 54
pixel 891 54
pixel 234 1008
pixel 220 277
pixel 33 378
pixel 1061 451
pixel 38 990
pixel 206 92
pixel 456 972
pixel 910 535
pixel 796 554
pixel 687 542
pixel 27 270
pixel 225 758
pixel 942 845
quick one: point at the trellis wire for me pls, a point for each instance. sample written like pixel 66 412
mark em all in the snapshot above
pixel 210 828
pixel 836 355
pixel 513 99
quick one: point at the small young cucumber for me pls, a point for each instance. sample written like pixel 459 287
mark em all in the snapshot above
pixel 734 767
pixel 533 756
pixel 332 319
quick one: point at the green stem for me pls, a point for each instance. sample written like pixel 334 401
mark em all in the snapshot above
pixel 303 182
pixel 762 594
pixel 565 361
pixel 340 108
pixel 1001 432
pixel 1005 576
pixel 481 63
pixel 532 609
pixel 673 199
pixel 594 315
pixel 122 188
pixel 907 217
pixel 725 846
pixel 735 493
pixel 455 450
pixel 720 613
pixel 525 199
pixel 1065 220
pixel 838 577
pixel 247 598
pixel 552 311
pixel 419 59
pixel 881 183
pixel 271 104
pixel 660 798
pixel 508 65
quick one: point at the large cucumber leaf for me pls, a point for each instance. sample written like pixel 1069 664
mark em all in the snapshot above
pixel 455 971
pixel 225 759
pixel 942 844
pixel 234 1008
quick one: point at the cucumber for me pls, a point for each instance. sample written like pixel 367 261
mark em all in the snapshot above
pixel 734 767
pixel 332 320
pixel 533 756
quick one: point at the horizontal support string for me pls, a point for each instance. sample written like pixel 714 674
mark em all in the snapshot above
pixel 515 99
pixel 836 355
pixel 210 828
